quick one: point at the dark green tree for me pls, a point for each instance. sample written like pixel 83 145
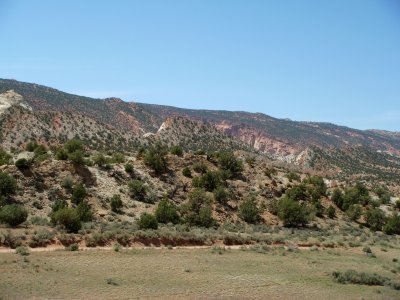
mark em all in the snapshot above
pixel 228 162
pixel 8 185
pixel 78 194
pixel 13 214
pixel 249 212
pixel 292 213
pixel 166 212
pixel 155 158
pixel 116 203
pixel 147 221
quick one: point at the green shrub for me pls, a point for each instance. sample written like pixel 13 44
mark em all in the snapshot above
pixel 59 204
pixel 22 250
pixel 375 219
pixel 292 213
pixel 166 212
pixel 318 209
pixel 228 162
pixel 78 194
pixel 72 247
pixel 41 238
pixel 200 167
pixel 147 221
pixel 68 183
pixel 292 176
pixel 116 203
pixel 155 158
pixel 5 158
pixel 68 217
pixel 356 195
pixel 248 211
pixel 316 187
pixel 361 278
pixel 198 209
pixel 205 218
pixel 84 212
pixel 8 185
pixel 73 145
pixel 297 193
pixel 22 164
pixel 186 172
pixel 354 212
pixel 331 212
pixel 220 194
pixel 118 158
pixel 208 181
pixel 36 220
pixel 100 160
pixel 61 154
pixel 176 150
pixel 137 189
pixel 13 214
pixel 392 225
pixel 337 198
pixel 129 168
pixel 383 193
pixel 40 151
pixel 76 157
pixel 31 146
pixel 367 249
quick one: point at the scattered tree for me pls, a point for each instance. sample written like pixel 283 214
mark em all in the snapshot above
pixel 116 203
pixel 137 189
pixel 220 194
pixel 67 217
pixel 155 158
pixel 13 214
pixel 375 219
pixel 186 172
pixel 129 168
pixel 147 221
pixel 292 213
pixel 228 162
pixel 176 150
pixel 248 211
pixel 22 164
pixel 78 194
pixel 166 212
pixel 8 185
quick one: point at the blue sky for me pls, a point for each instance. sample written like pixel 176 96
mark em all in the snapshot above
pixel 335 61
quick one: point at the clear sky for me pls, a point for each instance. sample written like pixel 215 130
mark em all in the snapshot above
pixel 336 61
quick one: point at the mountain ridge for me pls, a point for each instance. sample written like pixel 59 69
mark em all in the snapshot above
pixel 321 144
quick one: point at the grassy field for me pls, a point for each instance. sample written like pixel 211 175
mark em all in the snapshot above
pixel 193 273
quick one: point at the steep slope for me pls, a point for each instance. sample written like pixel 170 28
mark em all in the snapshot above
pixel 19 125
pixel 112 112
pixel 284 137
pixel 305 143
pixel 277 137
pixel 191 135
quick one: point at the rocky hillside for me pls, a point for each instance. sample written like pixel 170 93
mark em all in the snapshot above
pixel 20 125
pixel 197 135
pixel 326 146
pixel 112 112
pixel 281 137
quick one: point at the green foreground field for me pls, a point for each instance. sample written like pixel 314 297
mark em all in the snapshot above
pixel 193 273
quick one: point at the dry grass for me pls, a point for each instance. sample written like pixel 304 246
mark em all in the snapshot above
pixel 184 273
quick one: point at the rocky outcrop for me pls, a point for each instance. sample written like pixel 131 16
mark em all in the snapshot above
pixel 11 98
